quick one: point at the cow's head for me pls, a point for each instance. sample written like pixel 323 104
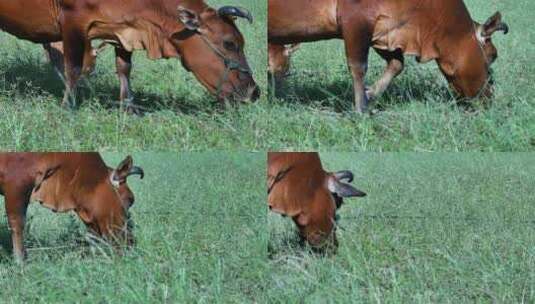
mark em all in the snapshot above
pixel 212 48
pixel 279 60
pixel 470 72
pixel 111 203
pixel 318 228
pixel 311 201
pixel 98 194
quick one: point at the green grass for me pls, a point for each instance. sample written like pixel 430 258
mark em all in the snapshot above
pixel 434 228
pixel 417 113
pixel 315 110
pixel 181 114
pixel 200 238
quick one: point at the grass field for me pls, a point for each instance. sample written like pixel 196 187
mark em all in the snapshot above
pixel 200 238
pixel 417 113
pixel 434 228
pixel 181 114
pixel 314 112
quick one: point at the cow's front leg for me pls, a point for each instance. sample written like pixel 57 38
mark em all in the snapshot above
pixel 123 64
pixel 76 47
pixel 357 48
pixel 393 68
pixel 16 205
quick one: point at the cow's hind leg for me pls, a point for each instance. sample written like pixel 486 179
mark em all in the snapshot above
pixel 16 205
pixel 54 54
pixel 393 68
pixel 123 63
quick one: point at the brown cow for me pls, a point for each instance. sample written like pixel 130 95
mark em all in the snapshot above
pixel 430 29
pixel 62 182
pixel 206 40
pixel 300 188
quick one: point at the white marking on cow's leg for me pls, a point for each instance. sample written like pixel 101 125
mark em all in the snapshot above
pixel 76 48
pixel 358 71
pixel 69 98
pixel 357 48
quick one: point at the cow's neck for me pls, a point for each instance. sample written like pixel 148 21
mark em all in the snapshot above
pixel 144 32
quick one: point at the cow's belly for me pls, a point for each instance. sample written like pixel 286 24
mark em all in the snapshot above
pixel 32 20
pixel 301 21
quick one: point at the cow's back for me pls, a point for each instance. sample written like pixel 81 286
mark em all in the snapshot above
pixel 414 26
pixel 417 27
pixel 34 20
pixel 17 170
pixel 301 20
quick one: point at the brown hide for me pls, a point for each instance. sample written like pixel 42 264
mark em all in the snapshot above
pixel 301 171
pixel 73 175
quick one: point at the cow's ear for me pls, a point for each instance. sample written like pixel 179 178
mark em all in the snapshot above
pixel 125 169
pixel 43 176
pixel 494 24
pixel 343 189
pixel 121 172
pixel 189 18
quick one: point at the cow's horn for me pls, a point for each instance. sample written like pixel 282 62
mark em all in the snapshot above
pixel 503 27
pixel 136 171
pixel 235 11
pixel 344 174
pixel 342 189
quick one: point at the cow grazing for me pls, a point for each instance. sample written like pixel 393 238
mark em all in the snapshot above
pixel 428 29
pixel 62 182
pixel 279 60
pixel 206 40
pixel 300 188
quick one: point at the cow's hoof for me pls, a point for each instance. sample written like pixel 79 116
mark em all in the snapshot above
pixel 370 94
pixel 361 110
pixel 67 106
pixel 132 109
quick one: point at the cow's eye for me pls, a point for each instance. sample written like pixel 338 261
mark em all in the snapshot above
pixel 230 46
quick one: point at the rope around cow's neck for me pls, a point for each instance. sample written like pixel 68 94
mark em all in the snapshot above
pixel 230 64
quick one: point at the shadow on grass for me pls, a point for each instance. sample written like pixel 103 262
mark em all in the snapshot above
pixel 289 244
pixel 292 244
pixel 5 244
pixel 31 76
pixel 339 94
pixel 53 248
